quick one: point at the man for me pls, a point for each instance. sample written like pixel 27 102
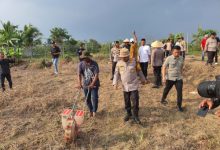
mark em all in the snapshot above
pixel 183 50
pixel 114 56
pixel 179 43
pixel 126 44
pixel 5 70
pixel 174 68
pixel 157 62
pixel 144 55
pixel 55 52
pixel 211 104
pixel 216 54
pixel 211 48
pixel 203 43
pixel 133 47
pixel 89 70
pixel 168 47
pixel 80 50
pixel 127 71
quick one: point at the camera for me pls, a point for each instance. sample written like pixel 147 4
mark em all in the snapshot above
pixel 210 89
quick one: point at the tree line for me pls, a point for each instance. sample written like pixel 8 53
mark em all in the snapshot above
pixel 17 42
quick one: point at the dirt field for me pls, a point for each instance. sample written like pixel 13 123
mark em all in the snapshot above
pixel 30 113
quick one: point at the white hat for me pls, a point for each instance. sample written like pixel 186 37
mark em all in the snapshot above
pixel 126 41
pixel 131 40
pixel 157 44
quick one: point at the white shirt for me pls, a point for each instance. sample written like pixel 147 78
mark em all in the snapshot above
pixel 180 45
pixel 144 53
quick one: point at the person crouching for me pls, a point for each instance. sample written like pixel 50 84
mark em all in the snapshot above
pixel 127 71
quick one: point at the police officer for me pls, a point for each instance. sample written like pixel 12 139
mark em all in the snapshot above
pixel 127 71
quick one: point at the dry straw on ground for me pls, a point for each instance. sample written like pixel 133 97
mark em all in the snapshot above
pixel 30 114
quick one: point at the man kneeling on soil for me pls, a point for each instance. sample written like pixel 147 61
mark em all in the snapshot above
pixel 89 70
pixel 127 71
pixel 212 104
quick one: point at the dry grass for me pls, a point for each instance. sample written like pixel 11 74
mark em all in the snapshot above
pixel 30 114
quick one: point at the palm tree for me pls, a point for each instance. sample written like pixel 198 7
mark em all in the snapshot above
pixel 31 36
pixel 8 35
pixel 59 35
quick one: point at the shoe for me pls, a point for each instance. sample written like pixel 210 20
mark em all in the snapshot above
pixel 180 109
pixel 127 117
pixel 164 102
pixel 137 120
pixel 155 87
pixel 216 63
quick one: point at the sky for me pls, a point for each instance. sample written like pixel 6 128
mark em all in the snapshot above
pixel 110 20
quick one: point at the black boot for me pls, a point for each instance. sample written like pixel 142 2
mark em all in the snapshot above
pixel 137 120
pixel 127 117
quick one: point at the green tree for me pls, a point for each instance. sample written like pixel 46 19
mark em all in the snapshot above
pixel 8 34
pixel 59 35
pixel 31 36
pixel 93 45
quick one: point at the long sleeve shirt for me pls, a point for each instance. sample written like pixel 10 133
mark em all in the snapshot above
pixel 5 67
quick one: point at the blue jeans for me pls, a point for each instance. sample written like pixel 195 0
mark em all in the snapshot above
pixel 92 99
pixel 55 64
pixel 203 55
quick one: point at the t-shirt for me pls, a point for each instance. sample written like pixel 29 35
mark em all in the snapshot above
pixel 79 51
pixel 168 46
pixel 5 67
pixel 211 45
pixel 144 53
pixel 180 45
pixel 55 50
pixel 203 42
pixel 88 72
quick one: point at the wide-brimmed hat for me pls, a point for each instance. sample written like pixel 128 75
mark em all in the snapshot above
pixel 126 41
pixel 85 54
pixel 157 44
pixel 124 52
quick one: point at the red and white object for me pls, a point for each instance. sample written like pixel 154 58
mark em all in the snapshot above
pixel 79 117
pixel 67 113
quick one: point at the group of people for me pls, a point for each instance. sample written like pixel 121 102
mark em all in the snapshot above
pixel 209 45
pixel 130 65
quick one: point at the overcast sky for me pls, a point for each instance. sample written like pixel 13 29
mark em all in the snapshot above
pixel 109 20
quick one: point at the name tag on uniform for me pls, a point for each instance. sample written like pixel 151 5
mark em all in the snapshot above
pixel 121 69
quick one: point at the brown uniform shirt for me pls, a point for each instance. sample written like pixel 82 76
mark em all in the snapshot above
pixel 211 45
pixel 128 73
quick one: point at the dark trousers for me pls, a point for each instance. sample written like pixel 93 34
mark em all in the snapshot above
pixel 216 56
pixel 8 77
pixel 167 53
pixel 211 56
pixel 132 96
pixel 92 98
pixel 144 67
pixel 179 88
pixel 113 68
pixel 183 54
pixel 157 75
